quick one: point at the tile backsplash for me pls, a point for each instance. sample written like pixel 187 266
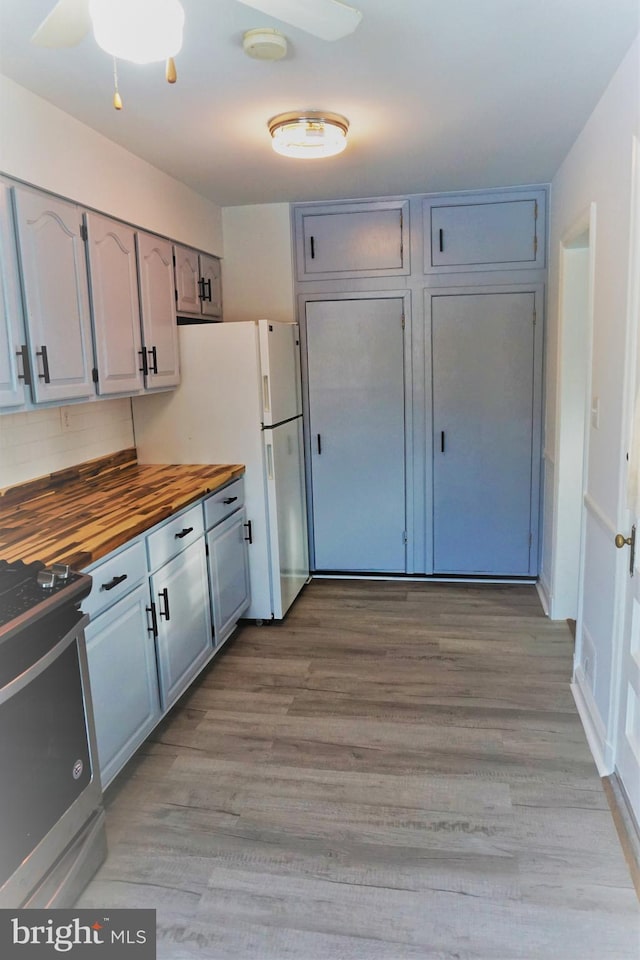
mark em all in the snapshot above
pixel 38 442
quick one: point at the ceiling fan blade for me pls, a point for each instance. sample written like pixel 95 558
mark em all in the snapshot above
pixel 65 26
pixel 327 19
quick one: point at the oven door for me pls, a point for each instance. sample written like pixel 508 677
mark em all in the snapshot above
pixel 49 783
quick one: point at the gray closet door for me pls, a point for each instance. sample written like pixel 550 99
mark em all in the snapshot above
pixel 483 391
pixel 356 422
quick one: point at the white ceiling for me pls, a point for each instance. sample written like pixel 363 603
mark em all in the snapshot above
pixel 441 94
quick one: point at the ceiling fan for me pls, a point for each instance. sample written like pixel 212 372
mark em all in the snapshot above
pixel 70 20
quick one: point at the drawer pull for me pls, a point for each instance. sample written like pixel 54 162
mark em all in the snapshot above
pixel 229 500
pixel 249 537
pixel 164 595
pixel 114 583
pixel 183 533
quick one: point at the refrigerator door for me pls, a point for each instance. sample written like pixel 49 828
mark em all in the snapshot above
pixel 280 371
pixel 287 513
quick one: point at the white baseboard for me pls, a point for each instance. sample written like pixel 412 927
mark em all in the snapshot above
pixel 591 722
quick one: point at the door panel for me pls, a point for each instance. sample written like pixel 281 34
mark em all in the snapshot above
pixel 157 302
pixel 12 336
pixel 280 368
pixel 116 304
pixel 483 392
pixel 210 272
pixel 229 567
pixel 364 241
pixel 56 292
pixel 287 512
pixel 187 275
pixel 357 424
pixel 479 233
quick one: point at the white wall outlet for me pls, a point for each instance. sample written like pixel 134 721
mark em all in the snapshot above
pixel 595 413
pixel 65 419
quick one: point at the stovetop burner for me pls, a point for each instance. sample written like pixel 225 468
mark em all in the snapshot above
pixel 27 590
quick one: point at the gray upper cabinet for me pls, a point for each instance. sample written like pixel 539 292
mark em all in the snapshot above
pixel 115 304
pixel 14 358
pixel 198 283
pixel 484 232
pixel 161 365
pixel 344 240
pixel 56 296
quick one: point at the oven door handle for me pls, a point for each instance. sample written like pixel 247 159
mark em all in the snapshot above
pixel 27 676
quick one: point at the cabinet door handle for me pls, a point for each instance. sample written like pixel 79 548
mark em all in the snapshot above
pixel 45 365
pixel 201 288
pixel 183 533
pixel 207 285
pixel 26 369
pixel 164 595
pixel 154 359
pixel 114 583
pixel 441 239
pixel 230 500
pixel 249 537
pixel 313 247
pixel 319 444
pixel 144 369
pixel 442 441
pixel 154 620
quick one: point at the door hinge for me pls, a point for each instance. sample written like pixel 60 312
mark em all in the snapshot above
pixel 535 316
pixel 530 539
pixel 405 538
pixel 176 293
pixel 94 374
pixel 535 245
pixel 84 233
pixel 403 321
pixel 401 236
pixel 535 210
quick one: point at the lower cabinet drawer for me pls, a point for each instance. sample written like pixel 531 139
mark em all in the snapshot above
pixel 223 503
pixel 174 535
pixel 114 577
pixel 124 680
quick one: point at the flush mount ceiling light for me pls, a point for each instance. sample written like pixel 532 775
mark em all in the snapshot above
pixel 264 44
pixel 142 31
pixel 308 134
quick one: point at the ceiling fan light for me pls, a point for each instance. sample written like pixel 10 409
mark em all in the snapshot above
pixel 308 135
pixel 141 31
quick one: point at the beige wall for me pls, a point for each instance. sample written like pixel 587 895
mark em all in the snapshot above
pixel 257 271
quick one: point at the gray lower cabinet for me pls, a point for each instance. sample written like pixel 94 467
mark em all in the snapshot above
pixel 180 593
pixel 151 607
pixel 124 681
pixel 229 568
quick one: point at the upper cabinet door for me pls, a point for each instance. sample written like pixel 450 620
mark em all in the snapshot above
pixel 14 360
pixel 54 275
pixel 158 306
pixel 188 286
pixel 352 240
pixel 211 286
pixel 115 305
pixel 484 232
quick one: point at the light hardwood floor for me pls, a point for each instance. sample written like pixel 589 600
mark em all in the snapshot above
pixel 396 772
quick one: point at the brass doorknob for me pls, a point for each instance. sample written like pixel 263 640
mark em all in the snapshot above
pixel 622 541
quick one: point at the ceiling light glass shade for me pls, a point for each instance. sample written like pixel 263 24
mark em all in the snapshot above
pixel 308 135
pixel 142 31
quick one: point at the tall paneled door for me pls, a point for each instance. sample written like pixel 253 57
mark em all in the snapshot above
pixel 355 359
pixel 484 432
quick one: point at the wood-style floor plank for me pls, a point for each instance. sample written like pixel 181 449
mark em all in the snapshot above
pixel 396 772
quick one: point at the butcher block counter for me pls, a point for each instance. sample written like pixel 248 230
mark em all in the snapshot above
pixel 80 514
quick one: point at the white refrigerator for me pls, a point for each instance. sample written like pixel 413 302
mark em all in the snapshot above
pixel 239 401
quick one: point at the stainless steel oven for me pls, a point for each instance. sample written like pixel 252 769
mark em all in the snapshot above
pixel 51 820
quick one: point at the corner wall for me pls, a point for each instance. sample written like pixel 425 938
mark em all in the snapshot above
pixel 597 171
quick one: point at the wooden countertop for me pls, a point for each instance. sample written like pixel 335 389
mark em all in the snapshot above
pixel 79 515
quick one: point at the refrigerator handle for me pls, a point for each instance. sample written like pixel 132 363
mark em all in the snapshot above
pixel 266 395
pixel 270 461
